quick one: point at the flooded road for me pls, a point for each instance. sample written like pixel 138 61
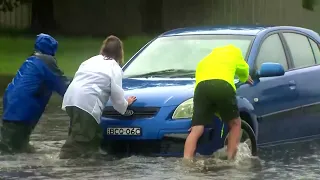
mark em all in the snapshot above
pixel 292 161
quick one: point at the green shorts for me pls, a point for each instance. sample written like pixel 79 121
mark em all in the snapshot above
pixel 214 96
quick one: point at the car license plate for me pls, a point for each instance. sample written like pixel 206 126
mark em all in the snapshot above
pixel 124 131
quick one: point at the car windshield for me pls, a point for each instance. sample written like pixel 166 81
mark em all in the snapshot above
pixel 178 56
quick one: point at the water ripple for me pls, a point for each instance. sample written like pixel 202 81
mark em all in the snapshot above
pixel 290 161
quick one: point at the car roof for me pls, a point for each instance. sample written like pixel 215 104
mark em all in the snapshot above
pixel 252 30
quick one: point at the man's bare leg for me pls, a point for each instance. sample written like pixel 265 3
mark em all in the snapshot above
pixel 192 140
pixel 234 137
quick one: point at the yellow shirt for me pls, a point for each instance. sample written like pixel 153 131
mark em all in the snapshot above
pixel 223 63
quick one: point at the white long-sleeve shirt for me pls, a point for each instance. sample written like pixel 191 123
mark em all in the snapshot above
pixel 96 80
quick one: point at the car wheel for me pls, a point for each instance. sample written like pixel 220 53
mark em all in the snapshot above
pixel 247 136
pixel 172 146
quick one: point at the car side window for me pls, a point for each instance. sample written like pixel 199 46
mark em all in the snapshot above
pixel 316 50
pixel 272 50
pixel 300 49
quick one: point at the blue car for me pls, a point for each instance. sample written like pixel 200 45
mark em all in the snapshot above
pixel 282 106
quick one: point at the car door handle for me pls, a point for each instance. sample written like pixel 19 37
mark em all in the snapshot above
pixel 292 85
pixel 292 82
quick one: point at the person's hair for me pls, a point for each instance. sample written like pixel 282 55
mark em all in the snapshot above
pixel 112 47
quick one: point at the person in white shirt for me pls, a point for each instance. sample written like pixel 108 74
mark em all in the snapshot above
pixel 97 80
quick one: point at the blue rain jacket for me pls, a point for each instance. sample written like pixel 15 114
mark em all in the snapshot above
pixel 27 95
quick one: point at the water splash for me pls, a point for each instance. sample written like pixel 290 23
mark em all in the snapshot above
pixel 216 162
pixel 296 161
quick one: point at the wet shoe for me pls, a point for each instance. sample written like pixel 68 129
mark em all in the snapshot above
pixel 187 162
pixel 4 149
pixel 71 152
pixel 234 155
pixel 221 154
pixel 103 152
pixel 76 152
pixel 30 149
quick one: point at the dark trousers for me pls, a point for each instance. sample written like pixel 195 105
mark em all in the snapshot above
pixel 15 137
pixel 84 137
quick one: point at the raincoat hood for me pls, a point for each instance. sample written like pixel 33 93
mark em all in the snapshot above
pixel 46 44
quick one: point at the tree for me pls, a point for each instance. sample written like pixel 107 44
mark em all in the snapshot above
pixel 10 5
pixel 151 16
pixel 42 17
pixel 308 4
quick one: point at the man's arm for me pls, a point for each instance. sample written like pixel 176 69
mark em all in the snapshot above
pixel 59 80
pixel 119 102
pixel 242 70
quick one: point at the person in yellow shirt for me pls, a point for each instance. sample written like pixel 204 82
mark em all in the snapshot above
pixel 215 92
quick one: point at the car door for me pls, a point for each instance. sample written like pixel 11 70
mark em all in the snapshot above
pixel 305 56
pixel 275 99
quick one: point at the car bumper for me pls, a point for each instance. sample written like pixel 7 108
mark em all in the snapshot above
pixel 154 128
pixel 160 135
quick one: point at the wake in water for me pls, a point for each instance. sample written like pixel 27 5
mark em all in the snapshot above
pixel 243 160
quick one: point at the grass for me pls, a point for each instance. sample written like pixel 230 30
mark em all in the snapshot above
pixel 71 51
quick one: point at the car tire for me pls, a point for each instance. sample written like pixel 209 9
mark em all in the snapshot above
pixel 247 134
pixel 172 146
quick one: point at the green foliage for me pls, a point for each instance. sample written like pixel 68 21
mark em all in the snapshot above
pixel 71 51
pixel 9 5
pixel 308 4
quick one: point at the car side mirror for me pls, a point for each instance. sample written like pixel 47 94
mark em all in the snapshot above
pixel 270 69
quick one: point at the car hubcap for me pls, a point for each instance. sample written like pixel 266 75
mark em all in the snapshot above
pixel 244 138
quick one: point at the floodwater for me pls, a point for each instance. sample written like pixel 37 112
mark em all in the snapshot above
pixel 291 161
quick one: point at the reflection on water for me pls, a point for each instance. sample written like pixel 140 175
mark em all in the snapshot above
pixel 291 161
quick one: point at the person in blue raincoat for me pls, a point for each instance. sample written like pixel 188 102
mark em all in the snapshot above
pixel 27 95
